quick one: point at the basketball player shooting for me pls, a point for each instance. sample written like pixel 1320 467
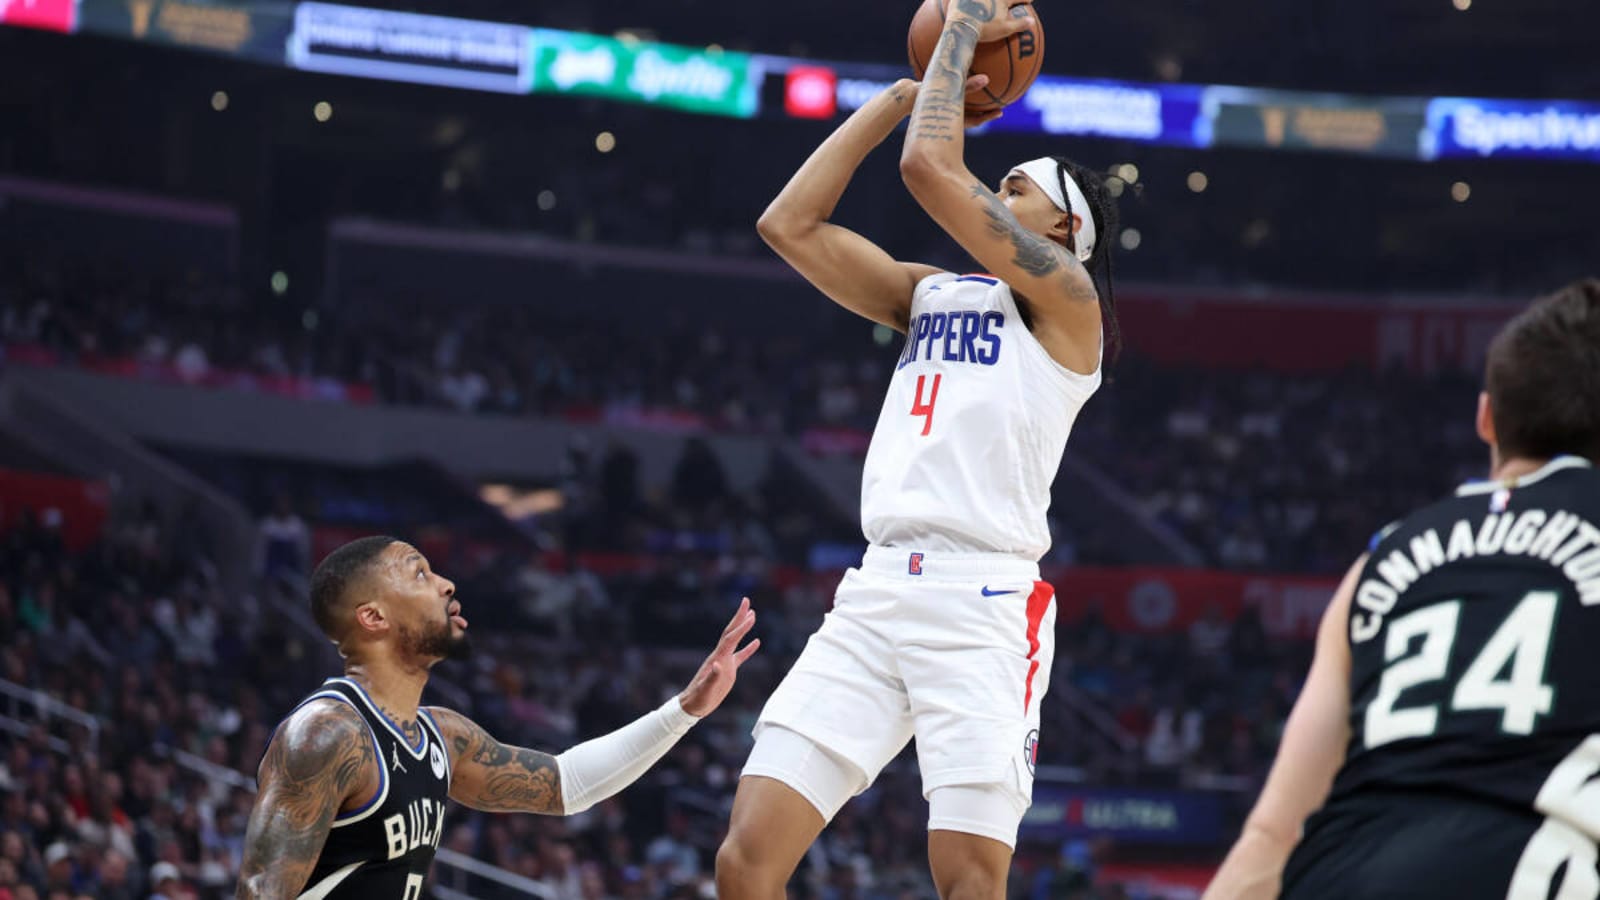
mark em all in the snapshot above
pixel 944 632
pixel 354 782
pixel 1447 737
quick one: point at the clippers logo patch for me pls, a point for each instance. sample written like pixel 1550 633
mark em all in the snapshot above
pixel 914 565
pixel 1030 750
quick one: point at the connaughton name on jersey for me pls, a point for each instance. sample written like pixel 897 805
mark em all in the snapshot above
pixel 1564 540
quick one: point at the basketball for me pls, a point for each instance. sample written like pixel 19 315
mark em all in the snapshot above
pixel 1011 64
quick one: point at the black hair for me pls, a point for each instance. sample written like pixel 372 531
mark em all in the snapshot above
pixel 1103 207
pixel 336 574
pixel 1543 376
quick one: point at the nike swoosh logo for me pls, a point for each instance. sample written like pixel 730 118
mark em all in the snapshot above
pixel 989 593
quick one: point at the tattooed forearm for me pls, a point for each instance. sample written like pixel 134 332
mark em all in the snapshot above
pixel 496 778
pixel 531 784
pixel 939 114
pixel 318 759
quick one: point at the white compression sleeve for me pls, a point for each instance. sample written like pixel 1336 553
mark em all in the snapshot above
pixel 596 769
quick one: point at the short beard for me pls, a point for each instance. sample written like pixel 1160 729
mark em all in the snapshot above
pixel 436 644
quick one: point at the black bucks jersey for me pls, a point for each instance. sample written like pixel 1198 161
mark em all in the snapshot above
pixel 1474 703
pixel 383 849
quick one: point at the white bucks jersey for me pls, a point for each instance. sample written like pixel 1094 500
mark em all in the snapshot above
pixel 972 429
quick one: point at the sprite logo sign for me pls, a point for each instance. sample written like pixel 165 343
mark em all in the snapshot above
pixel 663 74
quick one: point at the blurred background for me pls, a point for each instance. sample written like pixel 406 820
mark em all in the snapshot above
pixel 276 275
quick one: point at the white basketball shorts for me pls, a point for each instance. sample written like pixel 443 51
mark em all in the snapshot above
pixel 954 649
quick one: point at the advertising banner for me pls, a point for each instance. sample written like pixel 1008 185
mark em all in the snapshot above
pixel 1247 117
pixel 1282 334
pixel 1525 129
pixel 374 43
pixel 1060 812
pixel 1149 113
pixel 1154 601
pixel 48 15
pixel 716 83
pixel 256 30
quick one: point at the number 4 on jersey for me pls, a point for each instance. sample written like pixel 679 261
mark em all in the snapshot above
pixel 918 408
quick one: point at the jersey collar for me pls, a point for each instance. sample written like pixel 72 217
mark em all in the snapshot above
pixel 1489 486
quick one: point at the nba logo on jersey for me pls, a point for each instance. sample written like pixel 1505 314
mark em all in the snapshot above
pixel 914 566
pixel 1030 750
pixel 1500 500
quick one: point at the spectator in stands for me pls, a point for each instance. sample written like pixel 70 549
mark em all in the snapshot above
pixel 285 541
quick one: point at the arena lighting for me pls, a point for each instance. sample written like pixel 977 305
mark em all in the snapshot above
pixel 1461 192
pixel 605 142
pixel 1127 172
pixel 1198 182
pixel 1462 5
pixel 280 283
pixel 547 200
pixel 219 100
pixel 1131 238
pixel 323 110
pixel 1116 187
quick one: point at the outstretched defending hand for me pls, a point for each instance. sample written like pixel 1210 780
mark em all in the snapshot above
pixel 710 685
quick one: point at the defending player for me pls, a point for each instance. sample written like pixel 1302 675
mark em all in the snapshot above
pixel 354 782
pixel 1450 727
pixel 944 632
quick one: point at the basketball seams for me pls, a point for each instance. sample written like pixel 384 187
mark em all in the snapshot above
pixel 1008 82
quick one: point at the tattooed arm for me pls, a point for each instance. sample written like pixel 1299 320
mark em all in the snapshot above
pixel 320 759
pixel 1059 291
pixel 488 775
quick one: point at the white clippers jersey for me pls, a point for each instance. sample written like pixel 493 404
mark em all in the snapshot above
pixel 972 429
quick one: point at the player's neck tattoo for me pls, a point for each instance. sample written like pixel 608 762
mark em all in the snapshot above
pixel 410 728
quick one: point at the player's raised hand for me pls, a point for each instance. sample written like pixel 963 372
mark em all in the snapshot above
pixel 710 685
pixel 974 119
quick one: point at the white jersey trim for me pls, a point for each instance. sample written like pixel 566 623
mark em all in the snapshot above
pixel 366 809
pixel 325 887
pixel 1550 468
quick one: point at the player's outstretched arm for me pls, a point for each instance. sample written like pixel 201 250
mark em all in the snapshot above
pixel 318 759
pixel 853 271
pixel 492 776
pixel 1309 756
pixel 1062 295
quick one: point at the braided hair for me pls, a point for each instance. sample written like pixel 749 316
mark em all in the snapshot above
pixel 1104 209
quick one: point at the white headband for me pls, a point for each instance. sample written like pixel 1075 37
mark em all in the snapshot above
pixel 1049 176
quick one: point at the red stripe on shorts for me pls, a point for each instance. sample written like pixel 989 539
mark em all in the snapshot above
pixel 1038 602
